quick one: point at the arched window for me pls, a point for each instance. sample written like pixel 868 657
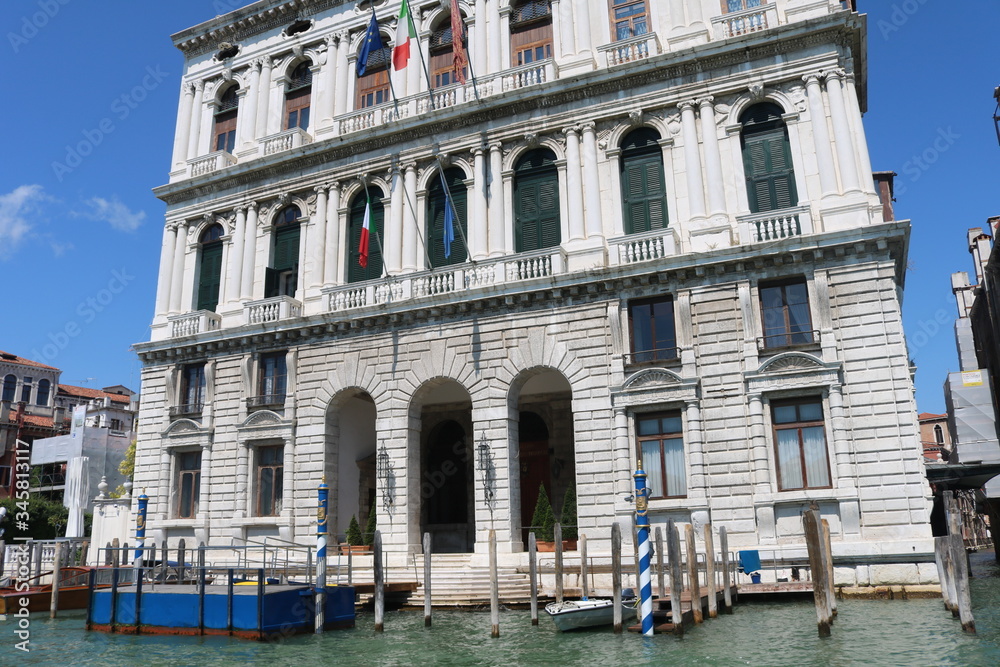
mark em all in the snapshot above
pixel 225 120
pixel 767 159
pixel 42 398
pixel 281 278
pixel 536 201
pixel 298 96
pixel 938 434
pixel 442 56
pixel 644 194
pixel 356 272
pixel 210 267
pixel 9 388
pixel 436 212
pixel 373 87
pixel 530 32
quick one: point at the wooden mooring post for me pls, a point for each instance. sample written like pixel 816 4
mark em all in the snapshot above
pixel 831 591
pixel 181 562
pixel 379 583
pixel 676 577
pixel 616 575
pixel 495 587
pixel 942 556
pixel 427 580
pixel 727 593
pixel 533 576
pixel 692 569
pixel 583 566
pixel 817 564
pixel 56 567
pixel 557 536
pixel 710 580
pixel 960 563
pixel 115 553
pixel 660 574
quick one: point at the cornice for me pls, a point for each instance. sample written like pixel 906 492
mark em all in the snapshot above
pixel 884 242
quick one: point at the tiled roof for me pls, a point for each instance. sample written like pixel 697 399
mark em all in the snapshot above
pixel 924 416
pixel 14 359
pixel 84 392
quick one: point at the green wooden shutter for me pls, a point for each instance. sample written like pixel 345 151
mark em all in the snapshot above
pixel 770 176
pixel 435 219
pixel 355 273
pixel 286 248
pixel 643 193
pixel 536 211
pixel 210 276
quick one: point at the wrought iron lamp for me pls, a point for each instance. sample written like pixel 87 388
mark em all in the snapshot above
pixel 386 478
pixel 487 470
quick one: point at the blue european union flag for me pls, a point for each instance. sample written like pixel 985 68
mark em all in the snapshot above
pixel 449 225
pixel 373 42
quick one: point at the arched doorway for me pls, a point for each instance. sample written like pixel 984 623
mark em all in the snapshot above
pixel 350 458
pixel 446 480
pixel 533 456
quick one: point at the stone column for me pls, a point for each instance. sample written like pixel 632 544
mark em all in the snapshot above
pixel 478 227
pixel 478 48
pixel 249 110
pixel 235 267
pixel 163 278
pixel 244 123
pixel 249 252
pixel 562 29
pixel 263 97
pixel 197 108
pixel 206 141
pixel 622 453
pixel 496 201
pixel 177 271
pixel 841 442
pixel 696 453
pixel 858 123
pixel 758 443
pixel 328 82
pixel 713 159
pixel 393 237
pixel 313 277
pixel 842 132
pixel 592 182
pixel 821 136
pixel 496 39
pixel 332 262
pixel 692 160
pixel 411 261
pixel 341 100
pixel 184 110
pixel 574 185
pixel 582 22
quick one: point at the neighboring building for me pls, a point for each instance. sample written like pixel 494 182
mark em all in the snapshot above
pixel 935 438
pixel 669 246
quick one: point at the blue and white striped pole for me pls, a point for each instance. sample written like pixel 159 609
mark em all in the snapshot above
pixel 140 526
pixel 322 532
pixel 645 551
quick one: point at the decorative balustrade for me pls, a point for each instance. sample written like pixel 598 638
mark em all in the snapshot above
pixel 631 49
pixel 434 283
pixel 274 309
pixel 527 75
pixel 745 22
pixel 644 246
pixel 774 225
pixel 285 141
pixel 189 324
pixel 210 163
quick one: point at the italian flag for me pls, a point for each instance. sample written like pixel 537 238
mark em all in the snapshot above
pixel 363 246
pixel 404 33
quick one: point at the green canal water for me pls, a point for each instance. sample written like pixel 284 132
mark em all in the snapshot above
pixel 867 632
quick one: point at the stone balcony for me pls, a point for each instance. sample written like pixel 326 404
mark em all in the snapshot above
pixel 774 225
pixel 630 50
pixel 210 163
pixel 284 141
pixel 745 22
pixel 273 309
pixel 190 324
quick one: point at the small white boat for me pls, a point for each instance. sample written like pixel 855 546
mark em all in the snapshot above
pixel 577 614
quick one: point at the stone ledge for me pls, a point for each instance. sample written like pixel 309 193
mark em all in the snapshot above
pixel 889 592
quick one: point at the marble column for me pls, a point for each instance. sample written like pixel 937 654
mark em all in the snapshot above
pixel 843 138
pixel 758 445
pixel 197 108
pixel 249 252
pixel 341 100
pixel 622 453
pixel 392 240
pixel 163 278
pixel 206 141
pixel 562 28
pixel 841 443
pixel 696 454
pixel 477 216
pixel 496 201
pixel 478 49
pixel 821 136
pixel 713 158
pixel 574 185
pixel 177 272
pixel 263 97
pixel 235 267
pixel 332 262
pixel 496 39
pixel 411 261
pixel 317 241
pixel 328 82
pixel 249 109
pixel 858 125
pixel 592 182
pixel 184 110
pixel 581 19
pixel 692 160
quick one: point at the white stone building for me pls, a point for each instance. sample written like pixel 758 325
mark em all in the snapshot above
pixel 671 248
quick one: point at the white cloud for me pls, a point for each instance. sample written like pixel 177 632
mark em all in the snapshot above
pixel 115 213
pixel 15 208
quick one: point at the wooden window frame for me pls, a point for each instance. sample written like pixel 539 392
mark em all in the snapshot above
pixel 798 426
pixel 614 4
pixel 188 471
pixel 277 480
pixel 787 334
pixel 726 10
pixel 189 372
pixel 669 354
pixel 277 380
pixel 659 438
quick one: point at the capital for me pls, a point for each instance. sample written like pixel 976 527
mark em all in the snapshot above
pixel 835 73
pixel 686 105
pixel 706 101
pixel 252 205
pixel 496 147
pixel 321 188
pixel 589 126
pixel 812 78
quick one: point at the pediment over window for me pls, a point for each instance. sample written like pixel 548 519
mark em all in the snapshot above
pixel 652 377
pixel 790 362
pixel 262 418
pixel 182 427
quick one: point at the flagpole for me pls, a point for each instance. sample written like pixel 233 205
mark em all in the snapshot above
pixel 409 201
pixel 454 211
pixel 472 71
pixel 392 89
pixel 423 65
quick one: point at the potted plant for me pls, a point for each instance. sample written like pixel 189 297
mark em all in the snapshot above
pixel 568 520
pixel 543 521
pixel 355 541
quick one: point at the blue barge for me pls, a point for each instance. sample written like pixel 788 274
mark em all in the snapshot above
pixel 250 610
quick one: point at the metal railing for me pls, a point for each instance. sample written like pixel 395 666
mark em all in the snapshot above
pixel 266 401
pixel 653 356
pixel 788 339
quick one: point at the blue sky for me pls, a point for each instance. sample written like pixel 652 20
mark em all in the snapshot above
pixel 91 98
